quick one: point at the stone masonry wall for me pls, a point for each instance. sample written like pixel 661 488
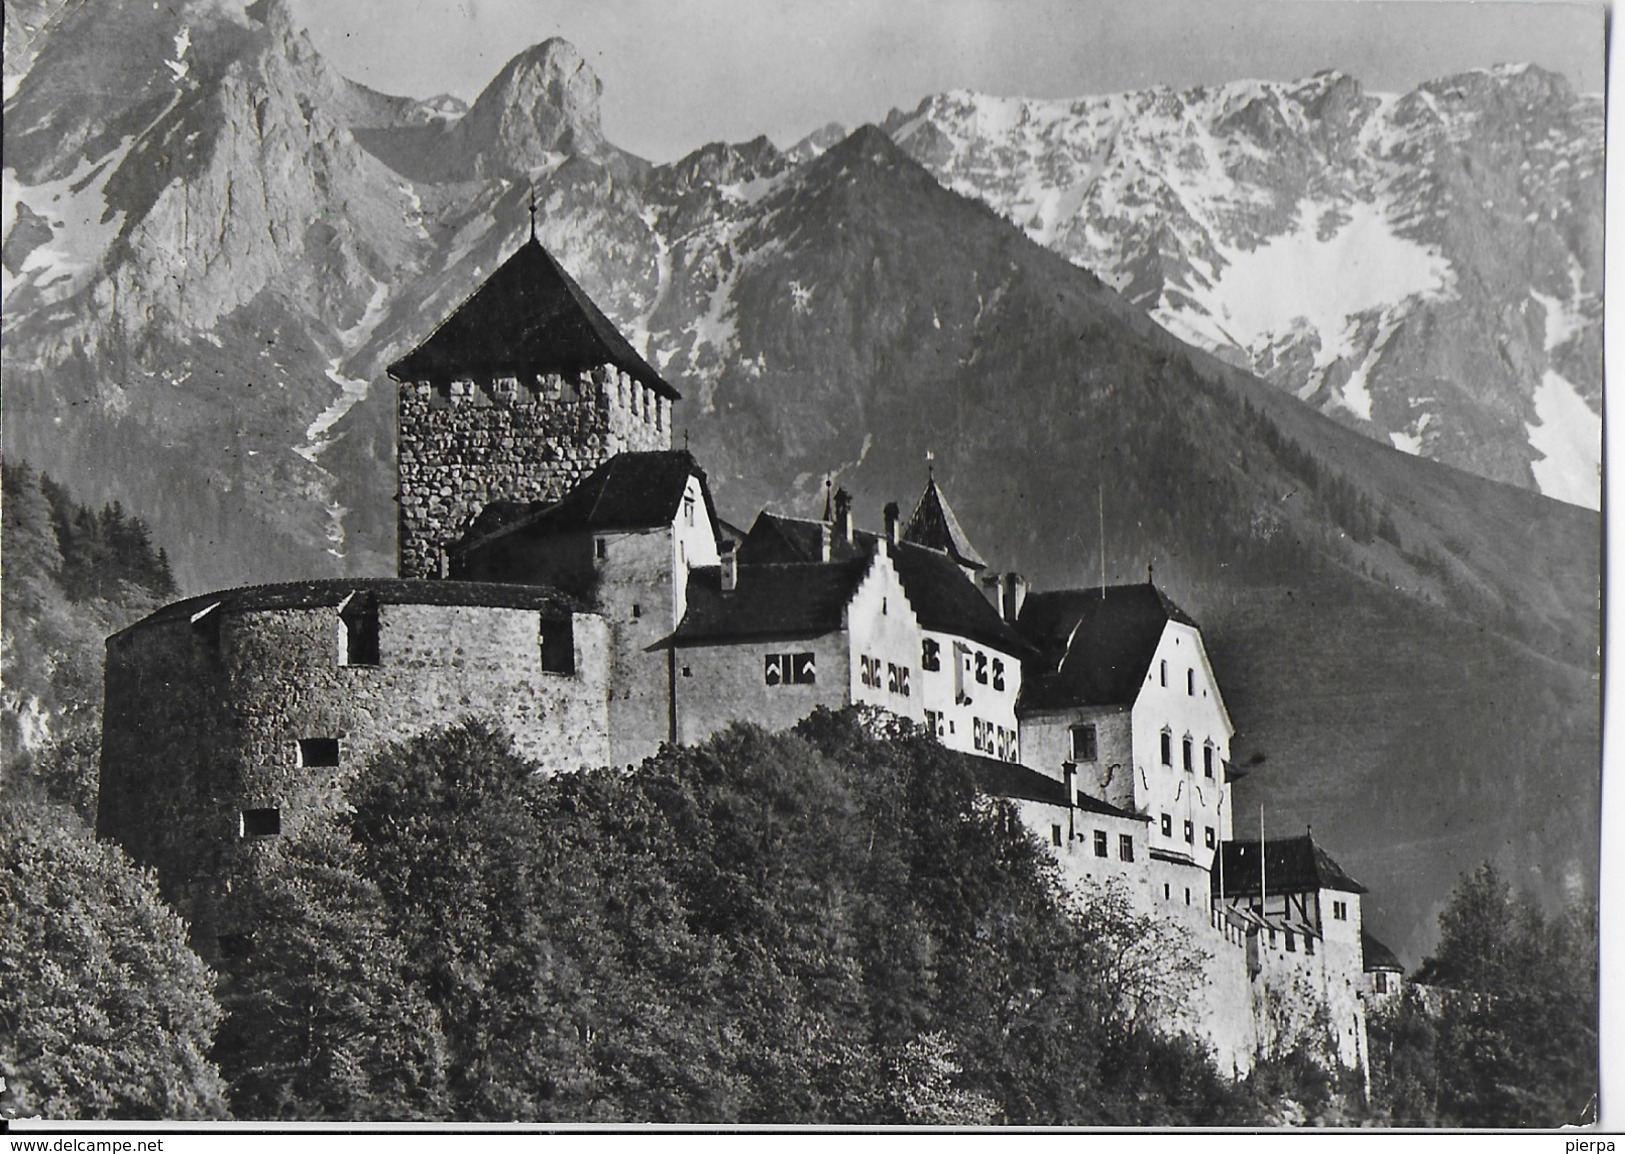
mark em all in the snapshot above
pixel 1046 741
pixel 462 444
pixel 198 731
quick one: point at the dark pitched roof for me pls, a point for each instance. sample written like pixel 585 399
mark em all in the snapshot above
pixel 945 601
pixel 1094 647
pixel 528 317
pixel 943 598
pixel 1376 956
pixel 1007 779
pixel 934 526
pixel 787 601
pixel 332 592
pixel 1095 805
pixel 1292 865
pixel 628 491
pixel 776 540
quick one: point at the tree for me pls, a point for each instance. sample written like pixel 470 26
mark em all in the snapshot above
pixel 320 1020
pixel 826 925
pixel 1515 1035
pixel 1404 1073
pixel 107 1013
pixel 922 1091
pixel 445 826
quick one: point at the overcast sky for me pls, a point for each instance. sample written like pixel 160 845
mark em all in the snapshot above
pixel 681 73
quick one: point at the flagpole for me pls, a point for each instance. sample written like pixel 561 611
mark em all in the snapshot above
pixel 1263 876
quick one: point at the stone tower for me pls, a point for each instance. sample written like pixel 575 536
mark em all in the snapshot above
pixel 523 391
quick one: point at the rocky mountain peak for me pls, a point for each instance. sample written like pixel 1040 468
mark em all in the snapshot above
pixel 543 102
pixel 1520 83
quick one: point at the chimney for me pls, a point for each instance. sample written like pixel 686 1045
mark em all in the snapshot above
pixel 892 514
pixel 1069 772
pixel 824 534
pixel 1014 596
pixel 843 514
pixel 730 566
pixel 992 591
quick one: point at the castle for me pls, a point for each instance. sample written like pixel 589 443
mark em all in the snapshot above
pixel 563 571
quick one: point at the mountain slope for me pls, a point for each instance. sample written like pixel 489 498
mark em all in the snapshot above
pixel 219 255
pixel 1349 247
pixel 1345 587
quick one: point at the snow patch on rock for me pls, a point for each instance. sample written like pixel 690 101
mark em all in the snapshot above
pixel 1568 437
pixel 1268 292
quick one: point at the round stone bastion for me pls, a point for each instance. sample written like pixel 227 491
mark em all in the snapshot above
pixel 238 716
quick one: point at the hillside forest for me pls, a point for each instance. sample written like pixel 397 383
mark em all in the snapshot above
pixel 827 925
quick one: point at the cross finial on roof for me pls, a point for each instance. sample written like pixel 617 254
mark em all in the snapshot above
pixel 685 440
pixel 1150 571
pixel 533 212
pixel 930 465
pixel 829 504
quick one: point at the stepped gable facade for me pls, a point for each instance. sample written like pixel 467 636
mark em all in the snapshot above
pixel 564 574
pixel 521 392
pixel 968 660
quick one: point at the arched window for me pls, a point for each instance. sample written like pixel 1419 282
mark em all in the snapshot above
pixel 1167 747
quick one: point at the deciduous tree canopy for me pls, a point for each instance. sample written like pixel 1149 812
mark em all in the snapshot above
pixel 106 1012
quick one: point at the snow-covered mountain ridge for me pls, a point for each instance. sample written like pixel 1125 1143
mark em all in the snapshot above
pixel 1425 267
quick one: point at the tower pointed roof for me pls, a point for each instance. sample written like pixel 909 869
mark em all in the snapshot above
pixel 529 317
pixel 934 526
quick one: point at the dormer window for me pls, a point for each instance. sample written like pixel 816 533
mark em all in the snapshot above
pixel 600 548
